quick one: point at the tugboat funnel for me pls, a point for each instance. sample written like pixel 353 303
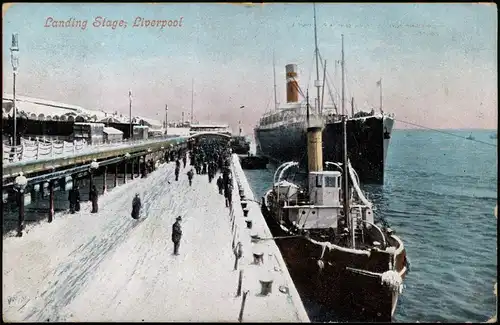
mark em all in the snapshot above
pixel 314 149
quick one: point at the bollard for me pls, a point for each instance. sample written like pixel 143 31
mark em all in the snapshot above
pixel 255 236
pixel 258 254
pixel 249 223
pixel 244 205
pixel 266 283
pixel 245 212
pixel 240 283
pixel 240 318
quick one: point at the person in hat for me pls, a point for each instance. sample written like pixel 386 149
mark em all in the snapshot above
pixel 177 173
pixel 190 174
pixel 136 206
pixel 177 234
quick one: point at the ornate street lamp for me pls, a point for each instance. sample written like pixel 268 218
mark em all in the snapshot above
pixel 14 59
pixel 20 185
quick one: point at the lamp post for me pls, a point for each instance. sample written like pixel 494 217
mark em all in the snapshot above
pixel 93 166
pixel 14 59
pixel 166 119
pixel 127 156
pixel 20 184
pixel 239 124
pixel 130 112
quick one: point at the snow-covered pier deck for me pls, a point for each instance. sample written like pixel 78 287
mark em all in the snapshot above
pixel 107 266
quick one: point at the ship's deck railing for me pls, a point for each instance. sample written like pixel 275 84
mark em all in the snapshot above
pixel 31 150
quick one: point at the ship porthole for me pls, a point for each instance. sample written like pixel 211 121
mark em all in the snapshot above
pixel 314 212
pixel 303 212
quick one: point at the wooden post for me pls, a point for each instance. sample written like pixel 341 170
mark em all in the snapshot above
pixel 91 173
pixel 125 173
pixel 20 222
pixel 132 169
pixel 240 282
pixel 51 201
pixel 105 183
pixel 139 166
pixel 240 317
pixel 116 176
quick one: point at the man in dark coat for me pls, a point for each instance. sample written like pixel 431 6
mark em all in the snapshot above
pixel 204 170
pixel 190 174
pixel 136 206
pixel 184 160
pixel 228 194
pixel 93 195
pixel 177 163
pixel 220 184
pixel 177 234
pixel 177 173
pixel 77 198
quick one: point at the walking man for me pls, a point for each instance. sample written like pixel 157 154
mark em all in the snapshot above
pixel 177 173
pixel 190 174
pixel 177 234
pixel 136 206
pixel 220 184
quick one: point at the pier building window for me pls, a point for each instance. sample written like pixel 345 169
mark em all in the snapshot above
pixel 319 180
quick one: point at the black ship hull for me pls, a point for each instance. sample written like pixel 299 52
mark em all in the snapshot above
pixel 350 296
pixel 367 139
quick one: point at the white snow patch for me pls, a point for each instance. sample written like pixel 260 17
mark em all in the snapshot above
pixel 393 280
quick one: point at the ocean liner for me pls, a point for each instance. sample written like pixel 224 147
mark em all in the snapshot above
pixel 336 254
pixel 281 134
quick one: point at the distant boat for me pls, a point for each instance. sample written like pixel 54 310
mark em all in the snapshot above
pixel 470 137
pixel 493 136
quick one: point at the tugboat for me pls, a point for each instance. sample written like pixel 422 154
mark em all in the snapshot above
pixel 336 254
pixel 470 137
pixel 240 144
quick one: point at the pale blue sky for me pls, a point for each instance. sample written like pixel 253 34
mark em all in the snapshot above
pixel 441 74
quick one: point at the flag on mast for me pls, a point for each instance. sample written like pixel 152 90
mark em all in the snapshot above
pixel 130 94
pixel 379 83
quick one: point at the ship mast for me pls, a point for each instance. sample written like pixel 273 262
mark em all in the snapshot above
pixel 345 191
pixel 274 74
pixel 316 82
pixel 342 67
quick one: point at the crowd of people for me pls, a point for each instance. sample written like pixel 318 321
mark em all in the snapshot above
pixel 209 157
